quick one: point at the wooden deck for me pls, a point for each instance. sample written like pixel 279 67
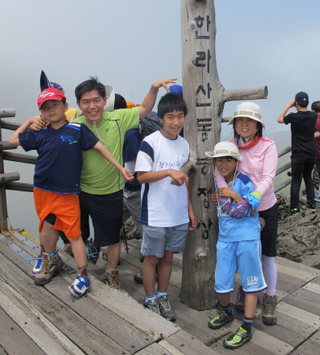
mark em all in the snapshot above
pixel 48 320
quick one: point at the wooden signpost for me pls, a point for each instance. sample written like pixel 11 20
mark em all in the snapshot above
pixel 205 97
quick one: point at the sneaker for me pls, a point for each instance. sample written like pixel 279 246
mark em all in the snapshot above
pixel 166 309
pixel 138 278
pixel 294 211
pixel 111 278
pixel 312 208
pixel 221 319
pixel 50 266
pixel 79 286
pixel 91 250
pixel 269 316
pixel 239 305
pixel 153 305
pixel 68 249
pixel 239 338
pixel 37 265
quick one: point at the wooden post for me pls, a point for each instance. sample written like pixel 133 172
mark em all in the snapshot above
pixel 205 97
pixel 3 197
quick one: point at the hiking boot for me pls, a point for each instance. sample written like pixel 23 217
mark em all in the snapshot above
pixel 79 286
pixel 50 266
pixel 138 278
pixel 239 305
pixel 153 305
pixel 294 211
pixel 269 316
pixel 111 278
pixel 237 339
pixel 68 249
pixel 91 250
pixel 165 308
pixel 221 319
pixel 37 265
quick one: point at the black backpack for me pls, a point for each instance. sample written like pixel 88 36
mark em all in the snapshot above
pixel 149 124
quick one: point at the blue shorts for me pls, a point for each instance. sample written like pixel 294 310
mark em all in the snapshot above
pixel 156 240
pixel 243 256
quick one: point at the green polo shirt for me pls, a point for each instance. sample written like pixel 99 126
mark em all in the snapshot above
pixel 98 176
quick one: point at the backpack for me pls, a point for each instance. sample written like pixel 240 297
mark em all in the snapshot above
pixel 149 124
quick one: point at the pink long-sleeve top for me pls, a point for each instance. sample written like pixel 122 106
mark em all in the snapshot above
pixel 260 164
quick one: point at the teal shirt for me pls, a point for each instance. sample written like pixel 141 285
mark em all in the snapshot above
pixel 98 176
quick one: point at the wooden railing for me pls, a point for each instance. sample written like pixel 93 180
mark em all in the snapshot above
pixel 8 181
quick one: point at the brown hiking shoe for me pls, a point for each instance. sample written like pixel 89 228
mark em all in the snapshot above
pixel 269 316
pixel 239 305
pixel 111 278
pixel 50 266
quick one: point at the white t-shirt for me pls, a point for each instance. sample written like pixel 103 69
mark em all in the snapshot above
pixel 163 204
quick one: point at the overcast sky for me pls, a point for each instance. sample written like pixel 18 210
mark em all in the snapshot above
pixel 131 43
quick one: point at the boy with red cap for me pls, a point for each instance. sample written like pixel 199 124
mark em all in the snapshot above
pixel 57 183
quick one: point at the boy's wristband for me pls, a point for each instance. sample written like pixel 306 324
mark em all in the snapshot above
pixel 257 194
pixel 153 91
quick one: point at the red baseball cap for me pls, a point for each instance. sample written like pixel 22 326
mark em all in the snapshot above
pixel 49 94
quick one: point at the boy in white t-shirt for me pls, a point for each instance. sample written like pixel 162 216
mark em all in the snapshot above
pixel 166 210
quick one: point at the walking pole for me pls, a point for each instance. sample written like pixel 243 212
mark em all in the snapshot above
pixel 125 238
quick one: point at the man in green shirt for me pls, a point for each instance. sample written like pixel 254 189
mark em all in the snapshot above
pixel 101 183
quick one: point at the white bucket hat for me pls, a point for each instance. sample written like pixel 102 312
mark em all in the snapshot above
pixel 225 149
pixel 110 93
pixel 248 109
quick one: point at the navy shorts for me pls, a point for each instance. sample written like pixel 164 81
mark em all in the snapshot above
pixel 270 231
pixel 106 214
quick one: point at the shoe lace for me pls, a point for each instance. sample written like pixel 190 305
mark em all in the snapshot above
pixel 165 303
pixel 269 305
pixel 113 279
pixel 153 306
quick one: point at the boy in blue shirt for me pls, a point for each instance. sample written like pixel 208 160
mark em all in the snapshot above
pixel 238 246
pixel 57 183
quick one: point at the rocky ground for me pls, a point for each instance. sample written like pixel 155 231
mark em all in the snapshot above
pixel 298 235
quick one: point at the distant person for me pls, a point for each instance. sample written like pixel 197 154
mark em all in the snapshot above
pixel 101 184
pixel 166 210
pixel 304 149
pixel 259 163
pixel 57 183
pixel 315 107
pixel 238 246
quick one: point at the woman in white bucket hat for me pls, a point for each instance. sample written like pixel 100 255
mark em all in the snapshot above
pixel 259 162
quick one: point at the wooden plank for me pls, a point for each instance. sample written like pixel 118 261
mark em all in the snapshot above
pixel 261 343
pixel 122 332
pixel 309 322
pixel 158 349
pixel 298 267
pixel 305 300
pixel 188 344
pixel 13 339
pixel 77 329
pixel 42 332
pixel 293 336
pixel 311 346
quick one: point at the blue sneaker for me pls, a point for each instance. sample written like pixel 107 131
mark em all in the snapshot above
pixel 79 286
pixel 37 265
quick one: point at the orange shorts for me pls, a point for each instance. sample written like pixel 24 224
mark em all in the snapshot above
pixel 65 207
